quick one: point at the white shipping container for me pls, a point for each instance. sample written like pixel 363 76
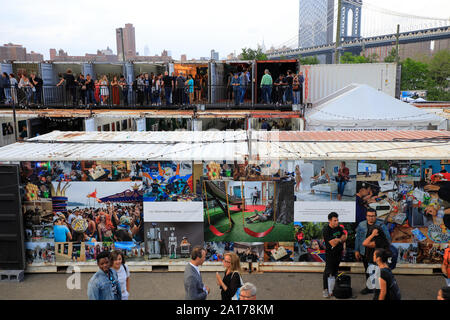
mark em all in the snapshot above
pixel 324 80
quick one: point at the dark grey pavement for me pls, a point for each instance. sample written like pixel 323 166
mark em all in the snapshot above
pixel 169 286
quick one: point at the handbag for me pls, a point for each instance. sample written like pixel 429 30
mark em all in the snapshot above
pixel 238 291
pixel 83 87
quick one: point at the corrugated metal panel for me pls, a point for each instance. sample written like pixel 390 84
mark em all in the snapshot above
pixel 356 136
pixel 226 145
pixel 177 146
pixel 351 151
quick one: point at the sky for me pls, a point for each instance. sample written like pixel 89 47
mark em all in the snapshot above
pixel 182 27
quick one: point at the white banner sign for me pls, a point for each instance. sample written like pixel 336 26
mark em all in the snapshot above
pixel 173 211
pixel 317 211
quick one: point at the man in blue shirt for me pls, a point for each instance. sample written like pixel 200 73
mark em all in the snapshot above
pixel 61 232
pixel 235 83
pixel 104 285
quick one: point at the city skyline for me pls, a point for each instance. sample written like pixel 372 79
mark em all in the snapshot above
pixel 56 29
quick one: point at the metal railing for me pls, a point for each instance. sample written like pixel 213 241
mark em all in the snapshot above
pixel 141 96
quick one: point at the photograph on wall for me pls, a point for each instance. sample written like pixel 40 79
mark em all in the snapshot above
pixel 278 251
pixel 415 210
pixel 98 211
pixel 430 253
pixel 248 211
pixel 320 180
pixel 7 129
pixel 66 171
pixel 215 250
pixel 407 252
pixel 249 251
pixel 133 251
pixel 125 171
pixel 40 253
pixel 389 170
pixel 258 171
pixel 172 240
pixel 96 171
pixel 73 252
pixel 309 244
pixel 167 181
pixel 35 178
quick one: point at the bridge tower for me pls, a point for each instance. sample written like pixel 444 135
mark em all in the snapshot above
pixel 351 20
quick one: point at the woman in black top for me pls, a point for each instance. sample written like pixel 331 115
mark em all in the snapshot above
pixel 232 278
pixel 389 289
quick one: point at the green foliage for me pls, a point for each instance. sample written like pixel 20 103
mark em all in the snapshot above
pixel 432 76
pixel 415 75
pixel 349 58
pixel 251 54
pixel 392 56
pixel 308 60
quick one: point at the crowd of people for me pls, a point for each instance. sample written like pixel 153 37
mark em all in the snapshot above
pixel 152 89
pixel 288 88
pixel 27 88
pixel 115 223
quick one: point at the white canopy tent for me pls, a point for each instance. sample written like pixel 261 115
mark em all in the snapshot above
pixel 361 107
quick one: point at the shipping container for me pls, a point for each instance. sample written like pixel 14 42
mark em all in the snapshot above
pixel 221 75
pixel 324 80
pixel 276 68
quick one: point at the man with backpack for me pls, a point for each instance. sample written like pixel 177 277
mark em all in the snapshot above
pixel 335 237
pixel 371 234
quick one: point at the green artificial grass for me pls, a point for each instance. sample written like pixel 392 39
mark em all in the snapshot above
pixel 280 232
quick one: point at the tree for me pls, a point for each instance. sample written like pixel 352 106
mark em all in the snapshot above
pixel 308 60
pixel 440 68
pixel 415 75
pixel 251 54
pixel 392 56
pixel 349 58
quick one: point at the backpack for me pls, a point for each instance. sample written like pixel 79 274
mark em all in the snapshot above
pixel 393 261
pixel 238 291
pixel 343 287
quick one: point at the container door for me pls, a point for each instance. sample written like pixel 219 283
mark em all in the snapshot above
pixel 6 67
pixel 170 68
pixel 88 68
pixel 49 90
pixel 213 81
pixel 254 82
pixel 12 245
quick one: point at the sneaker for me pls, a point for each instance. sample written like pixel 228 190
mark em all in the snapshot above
pixel 367 291
pixel 325 293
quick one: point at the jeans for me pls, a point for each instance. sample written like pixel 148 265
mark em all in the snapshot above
pixel 266 93
pixel 288 95
pixel 236 91
pixel 332 262
pixel 341 187
pixel 242 94
pixel 148 94
pixel 8 95
pixel 168 94
pixel 297 97
pixel 90 96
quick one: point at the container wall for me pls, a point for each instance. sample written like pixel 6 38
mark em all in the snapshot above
pixel 323 80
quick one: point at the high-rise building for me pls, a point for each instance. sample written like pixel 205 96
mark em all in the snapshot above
pixel 316 21
pixel 214 55
pixel 126 42
pixel 11 51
